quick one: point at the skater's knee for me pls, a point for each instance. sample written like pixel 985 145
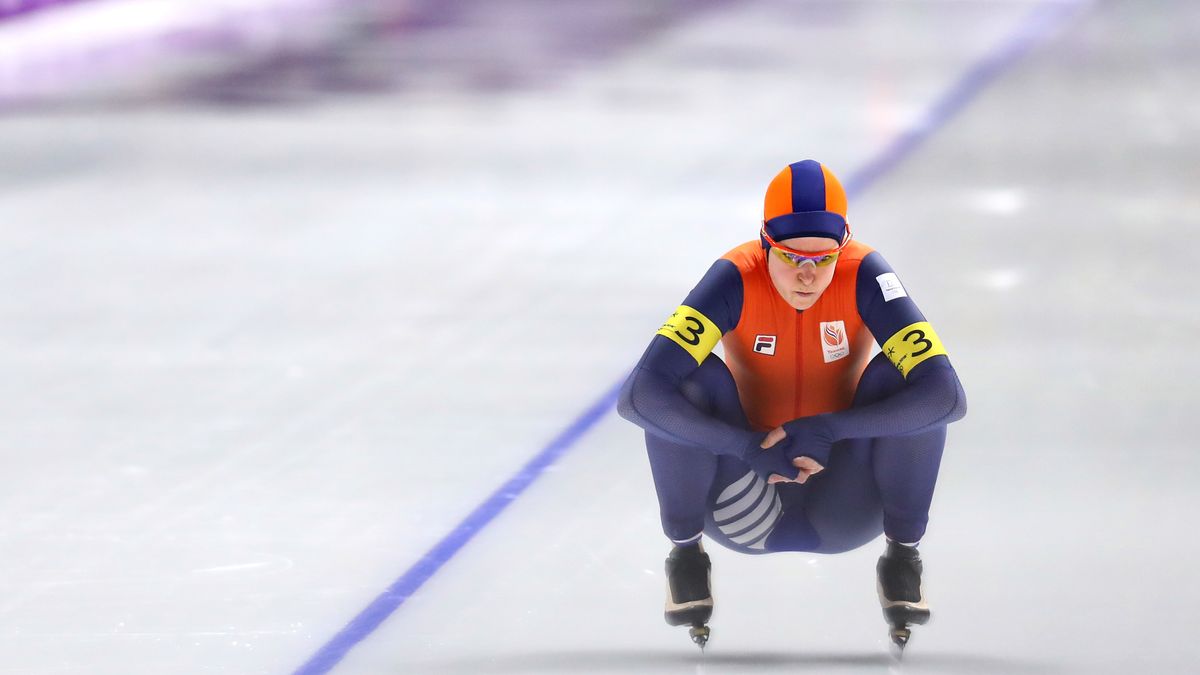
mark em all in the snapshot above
pixel 711 388
pixel 697 394
pixel 878 381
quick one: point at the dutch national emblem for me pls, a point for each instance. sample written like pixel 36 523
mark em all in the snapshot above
pixel 764 344
pixel 834 343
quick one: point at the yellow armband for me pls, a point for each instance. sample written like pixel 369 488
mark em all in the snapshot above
pixel 912 345
pixel 690 329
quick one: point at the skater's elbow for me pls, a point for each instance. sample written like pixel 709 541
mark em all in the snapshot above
pixel 958 409
pixel 643 398
pixel 943 393
pixel 626 400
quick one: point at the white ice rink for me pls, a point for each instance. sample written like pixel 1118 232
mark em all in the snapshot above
pixel 257 361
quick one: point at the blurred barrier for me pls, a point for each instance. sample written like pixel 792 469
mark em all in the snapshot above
pixel 111 47
pixel 12 8
pixel 247 51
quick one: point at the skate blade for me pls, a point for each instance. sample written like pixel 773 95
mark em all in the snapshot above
pixel 699 635
pixel 899 635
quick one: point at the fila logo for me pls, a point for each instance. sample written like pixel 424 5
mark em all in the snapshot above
pixel 764 344
pixel 834 343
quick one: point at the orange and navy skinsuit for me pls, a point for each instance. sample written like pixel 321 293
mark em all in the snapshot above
pixel 791 364
pixel 810 372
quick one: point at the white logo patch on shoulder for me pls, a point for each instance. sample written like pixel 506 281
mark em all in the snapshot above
pixel 890 285
pixel 834 343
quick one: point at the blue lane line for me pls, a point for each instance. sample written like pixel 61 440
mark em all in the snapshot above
pixel 382 607
pixel 1037 25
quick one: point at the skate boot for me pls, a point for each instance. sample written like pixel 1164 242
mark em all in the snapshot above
pixel 900 593
pixel 689 594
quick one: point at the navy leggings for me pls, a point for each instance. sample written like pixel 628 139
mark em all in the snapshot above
pixel 869 485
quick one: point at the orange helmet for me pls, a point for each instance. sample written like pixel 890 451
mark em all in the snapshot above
pixel 805 200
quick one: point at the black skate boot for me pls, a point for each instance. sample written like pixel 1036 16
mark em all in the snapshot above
pixel 900 593
pixel 689 594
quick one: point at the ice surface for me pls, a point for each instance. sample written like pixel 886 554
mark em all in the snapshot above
pixel 258 360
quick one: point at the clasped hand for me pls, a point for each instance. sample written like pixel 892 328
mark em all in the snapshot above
pixel 793 452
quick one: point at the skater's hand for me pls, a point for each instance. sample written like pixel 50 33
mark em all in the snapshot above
pixel 805 465
pixel 770 463
pixel 809 437
pixel 808 468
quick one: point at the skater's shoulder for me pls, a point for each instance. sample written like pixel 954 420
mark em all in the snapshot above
pixel 746 256
pixel 862 260
pixel 854 253
pixel 855 256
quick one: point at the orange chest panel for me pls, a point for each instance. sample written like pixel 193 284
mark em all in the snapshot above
pixel 790 364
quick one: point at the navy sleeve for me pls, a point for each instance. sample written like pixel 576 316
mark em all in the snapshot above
pixel 933 395
pixel 651 396
pixel 718 296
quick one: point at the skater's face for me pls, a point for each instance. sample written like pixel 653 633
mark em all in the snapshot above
pixel 801 286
